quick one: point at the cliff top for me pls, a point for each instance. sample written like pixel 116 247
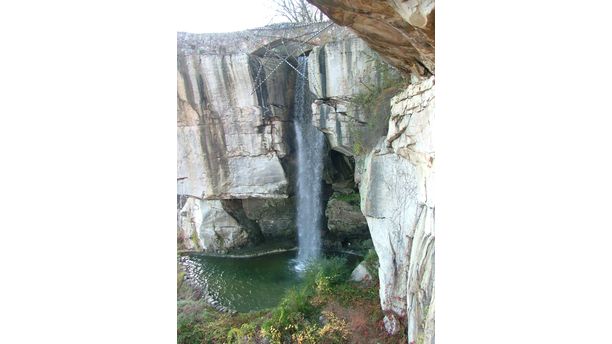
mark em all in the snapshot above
pixel 248 41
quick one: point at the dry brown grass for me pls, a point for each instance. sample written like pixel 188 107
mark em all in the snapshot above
pixel 364 319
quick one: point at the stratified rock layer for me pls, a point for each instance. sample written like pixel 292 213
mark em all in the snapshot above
pixel 345 220
pixel 222 130
pixel 208 227
pixel 403 32
pixel 397 200
pixel 234 124
pixel 396 177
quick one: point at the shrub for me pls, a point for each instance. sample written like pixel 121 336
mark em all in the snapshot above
pixel 371 263
pixel 244 334
pixel 352 198
pixel 335 330
pixel 330 272
pixel 189 333
pixel 294 320
pixel 374 102
pixel 290 316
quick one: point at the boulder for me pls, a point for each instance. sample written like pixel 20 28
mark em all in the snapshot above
pixel 361 274
pixel 344 218
pixel 206 226
pixel 276 217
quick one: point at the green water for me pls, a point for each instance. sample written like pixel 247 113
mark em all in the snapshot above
pixel 244 284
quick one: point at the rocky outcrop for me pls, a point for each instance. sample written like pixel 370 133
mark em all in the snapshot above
pixel 354 87
pixel 276 217
pixel 339 72
pixel 342 68
pixel 402 31
pixel 234 124
pixel 344 218
pixel 332 117
pixel 234 131
pixel 206 226
pixel 235 134
pixel 361 274
pixel 222 130
pixel 396 177
pixel 397 200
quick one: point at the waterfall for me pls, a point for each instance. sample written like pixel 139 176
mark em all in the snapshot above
pixel 310 143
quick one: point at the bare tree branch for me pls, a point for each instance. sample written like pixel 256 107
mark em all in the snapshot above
pixel 299 11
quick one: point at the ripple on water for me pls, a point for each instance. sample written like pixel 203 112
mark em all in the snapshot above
pixel 243 284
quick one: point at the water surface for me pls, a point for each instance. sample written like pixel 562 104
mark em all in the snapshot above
pixel 244 284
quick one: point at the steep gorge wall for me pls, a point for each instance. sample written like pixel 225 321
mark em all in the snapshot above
pixel 234 126
pixel 397 199
pixel 224 129
pixel 402 31
pixel 231 141
pixel 396 177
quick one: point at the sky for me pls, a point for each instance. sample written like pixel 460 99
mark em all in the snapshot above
pixel 200 16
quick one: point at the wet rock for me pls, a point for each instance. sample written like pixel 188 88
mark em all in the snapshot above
pixel 206 226
pixel 344 218
pixel 276 217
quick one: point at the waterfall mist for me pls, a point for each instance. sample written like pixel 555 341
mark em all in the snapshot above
pixel 310 144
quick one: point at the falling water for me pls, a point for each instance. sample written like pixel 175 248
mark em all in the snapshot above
pixel 309 177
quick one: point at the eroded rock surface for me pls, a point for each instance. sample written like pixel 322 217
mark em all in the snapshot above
pixel 222 129
pixel 338 73
pixel 397 200
pixel 361 274
pixel 234 130
pixel 396 177
pixel 276 217
pixel 209 228
pixel 403 32
pixel 345 220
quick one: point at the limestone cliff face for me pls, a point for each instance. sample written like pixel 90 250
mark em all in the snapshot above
pixel 396 177
pixel 338 73
pixel 234 130
pixel 397 199
pixel 235 153
pixel 402 31
pixel 232 137
pixel 208 227
pixel 222 130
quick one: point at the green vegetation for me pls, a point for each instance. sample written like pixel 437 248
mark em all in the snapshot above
pixel 374 103
pixel 324 308
pixel 371 263
pixel 195 240
pixel 352 198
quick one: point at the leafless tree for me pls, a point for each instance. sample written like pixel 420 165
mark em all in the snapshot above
pixel 299 11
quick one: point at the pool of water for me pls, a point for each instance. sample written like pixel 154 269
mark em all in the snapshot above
pixel 245 284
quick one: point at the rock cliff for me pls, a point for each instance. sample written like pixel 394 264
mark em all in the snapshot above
pixel 396 176
pixel 234 125
pixel 402 31
pixel 235 164
pixel 397 199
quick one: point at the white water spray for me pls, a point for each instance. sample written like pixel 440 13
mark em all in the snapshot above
pixel 310 143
